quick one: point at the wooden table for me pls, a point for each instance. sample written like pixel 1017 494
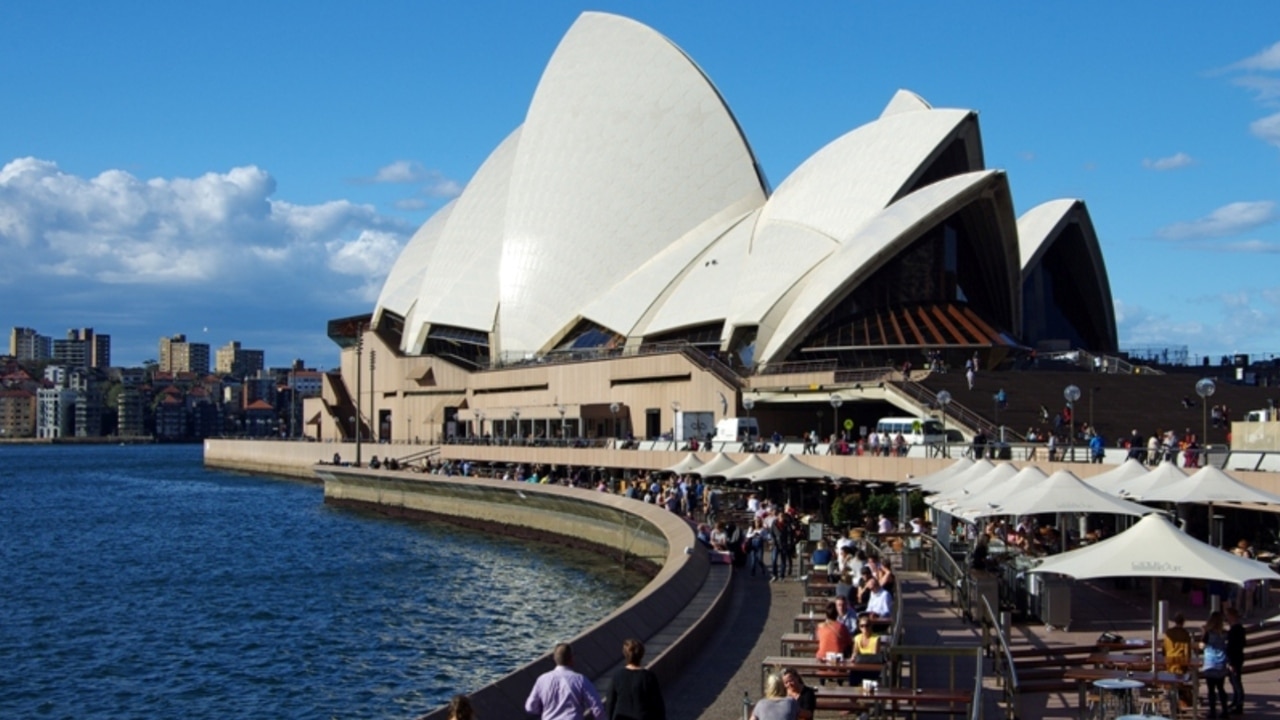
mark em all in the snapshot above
pixel 1084 678
pixel 806 622
pixel 1131 661
pixel 798 645
pixel 811 667
pixel 816 603
pixel 896 700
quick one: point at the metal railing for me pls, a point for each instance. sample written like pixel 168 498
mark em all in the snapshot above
pixel 947 573
pixel 1006 671
pixel 955 412
pixel 1103 363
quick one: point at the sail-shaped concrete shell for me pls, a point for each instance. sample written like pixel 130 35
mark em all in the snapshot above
pixel 626 148
pixel 630 201
pixel 460 287
pixel 403 286
pixel 885 235
pixel 835 192
pixel 1065 289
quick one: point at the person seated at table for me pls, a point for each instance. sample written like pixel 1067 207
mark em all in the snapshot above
pixel 846 615
pixel 879 601
pixel 866 650
pixel 775 705
pixel 821 557
pixel 837 566
pixel 832 635
pixel 882 572
pixel 806 699
pixel 862 589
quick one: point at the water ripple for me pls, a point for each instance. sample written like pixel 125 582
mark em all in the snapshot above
pixel 138 584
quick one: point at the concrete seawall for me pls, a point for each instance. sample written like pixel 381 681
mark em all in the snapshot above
pixel 650 537
pixel 674 613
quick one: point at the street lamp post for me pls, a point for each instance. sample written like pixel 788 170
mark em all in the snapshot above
pixel 1205 387
pixel 613 408
pixel 563 438
pixel 944 399
pixel 836 401
pixel 515 421
pixel 1072 393
pixel 747 404
pixel 480 424
pixel 408 429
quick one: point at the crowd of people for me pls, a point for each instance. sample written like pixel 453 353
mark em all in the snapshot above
pixel 1221 644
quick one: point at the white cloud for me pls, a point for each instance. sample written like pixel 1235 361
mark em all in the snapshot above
pixel 401 171
pixel 1173 162
pixel 1268 129
pixel 433 184
pixel 1226 221
pixel 117 229
pixel 1265 89
pixel 1237 321
pixel 411 204
pixel 1251 246
pixel 145 258
pixel 1268 59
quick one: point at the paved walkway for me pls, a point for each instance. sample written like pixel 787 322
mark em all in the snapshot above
pixel 760 612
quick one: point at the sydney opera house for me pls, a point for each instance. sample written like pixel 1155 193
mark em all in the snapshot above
pixel 620 256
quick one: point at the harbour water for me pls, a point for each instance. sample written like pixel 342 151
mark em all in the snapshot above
pixel 135 583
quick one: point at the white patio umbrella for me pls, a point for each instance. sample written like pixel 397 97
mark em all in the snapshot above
pixel 714 467
pixel 1209 485
pixel 744 469
pixel 1062 492
pixel 976 470
pixel 689 462
pixel 789 468
pixel 1119 476
pixel 1155 548
pixel 928 482
pixel 1025 478
pixel 995 477
pixel 1164 474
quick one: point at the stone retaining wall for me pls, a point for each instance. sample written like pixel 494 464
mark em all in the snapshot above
pixel 650 537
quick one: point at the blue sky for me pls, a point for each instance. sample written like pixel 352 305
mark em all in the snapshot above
pixel 248 170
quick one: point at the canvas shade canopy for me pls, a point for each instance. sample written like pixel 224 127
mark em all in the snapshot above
pixel 995 477
pixel 789 468
pixel 1164 474
pixel 690 462
pixel 1155 548
pixel 744 469
pixel 1025 478
pixel 928 482
pixel 1063 492
pixel 1112 480
pixel 958 480
pixel 1209 485
pixel 714 467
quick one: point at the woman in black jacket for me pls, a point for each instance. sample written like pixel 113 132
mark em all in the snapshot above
pixel 634 693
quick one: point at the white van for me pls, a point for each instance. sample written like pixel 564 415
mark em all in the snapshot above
pixel 736 429
pixel 916 431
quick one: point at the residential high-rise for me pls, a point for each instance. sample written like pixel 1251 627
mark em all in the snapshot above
pixel 27 344
pixel 233 360
pixel 83 348
pixel 178 355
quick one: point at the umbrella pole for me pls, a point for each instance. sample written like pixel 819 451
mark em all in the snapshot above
pixel 1155 615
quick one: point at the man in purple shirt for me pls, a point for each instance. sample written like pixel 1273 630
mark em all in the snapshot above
pixel 563 694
